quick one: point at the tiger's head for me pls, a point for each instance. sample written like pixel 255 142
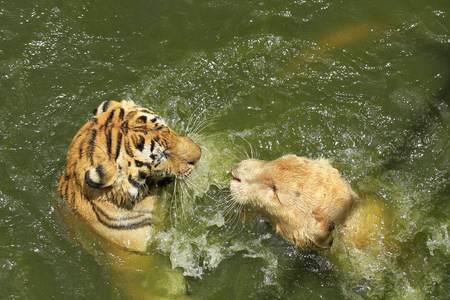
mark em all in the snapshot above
pixel 121 153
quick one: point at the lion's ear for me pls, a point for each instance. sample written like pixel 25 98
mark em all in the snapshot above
pixel 100 177
pixel 323 234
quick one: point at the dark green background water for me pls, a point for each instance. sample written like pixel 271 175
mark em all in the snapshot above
pixel 365 83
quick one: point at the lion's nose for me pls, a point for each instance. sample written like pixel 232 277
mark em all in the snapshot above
pixel 234 172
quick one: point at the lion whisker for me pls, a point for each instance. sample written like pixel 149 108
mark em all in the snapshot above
pixel 250 153
pixel 253 151
pixel 232 211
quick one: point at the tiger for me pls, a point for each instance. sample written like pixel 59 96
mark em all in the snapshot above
pixel 114 165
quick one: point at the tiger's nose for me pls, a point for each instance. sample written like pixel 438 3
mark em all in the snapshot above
pixel 194 157
pixel 187 150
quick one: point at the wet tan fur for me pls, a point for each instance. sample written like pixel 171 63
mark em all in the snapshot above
pixel 304 199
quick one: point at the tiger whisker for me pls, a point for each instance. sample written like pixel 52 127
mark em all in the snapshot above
pixel 174 205
pixel 191 120
pixel 202 121
pixel 184 196
pixel 183 199
pixel 194 119
pixel 196 125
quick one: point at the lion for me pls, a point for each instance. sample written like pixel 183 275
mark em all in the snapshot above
pixel 306 201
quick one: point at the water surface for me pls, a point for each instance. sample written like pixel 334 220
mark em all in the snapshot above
pixel 364 84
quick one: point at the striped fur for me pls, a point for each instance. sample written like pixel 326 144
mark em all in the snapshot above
pixel 114 162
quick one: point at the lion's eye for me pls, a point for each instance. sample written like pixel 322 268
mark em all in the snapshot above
pixel 332 227
pixel 273 189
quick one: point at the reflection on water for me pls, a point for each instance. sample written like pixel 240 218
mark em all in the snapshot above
pixel 310 78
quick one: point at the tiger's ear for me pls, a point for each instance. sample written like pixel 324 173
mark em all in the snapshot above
pixel 100 177
pixel 104 106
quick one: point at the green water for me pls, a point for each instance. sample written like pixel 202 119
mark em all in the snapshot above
pixel 364 84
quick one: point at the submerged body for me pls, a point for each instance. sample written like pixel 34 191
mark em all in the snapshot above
pixel 305 200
